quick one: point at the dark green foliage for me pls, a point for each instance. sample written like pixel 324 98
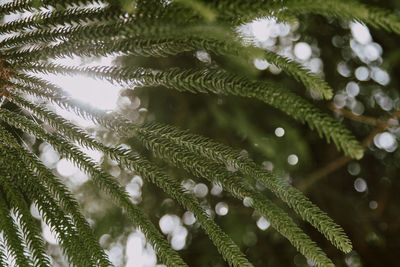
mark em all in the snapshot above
pixel 154 29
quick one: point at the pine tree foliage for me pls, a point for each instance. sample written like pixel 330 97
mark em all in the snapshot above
pixel 225 155
pixel 57 29
pixel 14 240
pixel 147 170
pixel 29 227
pixel 220 82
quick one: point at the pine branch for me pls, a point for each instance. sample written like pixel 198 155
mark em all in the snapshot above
pixel 3 252
pixel 117 27
pixel 31 5
pixel 29 227
pixel 225 245
pixel 47 91
pixel 103 180
pixel 239 12
pixel 225 155
pixel 157 29
pixel 220 82
pixel 232 183
pixel 347 10
pixel 56 18
pixel 10 230
pixel 343 160
pixel 310 80
pixel 73 245
pixel 198 7
pixel 149 171
pixel 245 11
pixel 61 193
pixel 163 40
pixel 85 48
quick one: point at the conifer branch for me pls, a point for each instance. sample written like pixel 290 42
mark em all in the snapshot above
pixel 310 80
pixel 287 10
pixel 347 10
pixel 103 180
pixel 338 163
pixel 61 194
pixel 225 245
pixel 232 183
pixel 30 5
pixel 225 155
pixel 3 251
pixel 153 29
pixel 29 227
pixel 10 230
pixel 73 245
pixel 149 171
pixel 47 91
pixel 151 41
pixel 57 18
pixel 220 82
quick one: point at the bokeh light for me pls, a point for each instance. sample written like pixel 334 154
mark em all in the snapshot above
pixel 293 159
pixel 188 218
pixel 263 224
pixel 172 226
pixel 221 208
pixel 279 132
pixel 360 185
pixel 360 33
pixel 386 141
pixel 302 51
pixel 261 64
pixel 200 190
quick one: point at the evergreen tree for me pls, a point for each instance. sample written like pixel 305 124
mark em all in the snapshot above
pixel 163 30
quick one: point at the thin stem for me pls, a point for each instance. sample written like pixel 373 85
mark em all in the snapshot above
pixel 359 118
pixel 343 160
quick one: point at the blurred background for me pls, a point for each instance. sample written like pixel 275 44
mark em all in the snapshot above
pixel 362 64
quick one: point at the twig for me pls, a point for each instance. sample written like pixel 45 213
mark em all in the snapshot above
pixel 360 118
pixel 343 160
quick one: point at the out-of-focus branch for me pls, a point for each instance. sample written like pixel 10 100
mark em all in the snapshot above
pixel 343 160
pixel 360 118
